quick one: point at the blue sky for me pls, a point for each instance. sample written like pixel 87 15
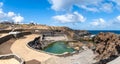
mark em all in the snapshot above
pixel 76 14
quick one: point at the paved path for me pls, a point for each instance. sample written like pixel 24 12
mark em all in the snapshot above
pixel 19 47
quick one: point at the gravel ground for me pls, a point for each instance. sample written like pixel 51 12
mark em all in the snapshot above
pixel 85 57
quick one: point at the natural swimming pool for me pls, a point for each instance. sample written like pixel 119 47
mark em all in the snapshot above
pixel 58 47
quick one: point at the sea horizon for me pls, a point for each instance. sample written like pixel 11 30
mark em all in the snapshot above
pixel 98 31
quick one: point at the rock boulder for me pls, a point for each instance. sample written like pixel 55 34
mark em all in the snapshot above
pixel 107 47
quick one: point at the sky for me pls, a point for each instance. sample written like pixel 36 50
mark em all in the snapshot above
pixel 76 14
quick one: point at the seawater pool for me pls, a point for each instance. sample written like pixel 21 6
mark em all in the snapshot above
pixel 58 47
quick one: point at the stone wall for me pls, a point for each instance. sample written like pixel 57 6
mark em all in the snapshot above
pixel 9 56
pixel 22 34
pixel 8 37
pixel 7 31
pixel 39 45
pixel 5 38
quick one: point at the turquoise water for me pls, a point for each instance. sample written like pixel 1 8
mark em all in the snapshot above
pixel 58 48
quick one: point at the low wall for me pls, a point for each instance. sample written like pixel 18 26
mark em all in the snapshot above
pixel 22 34
pixel 8 37
pixel 46 43
pixel 9 56
pixel 60 55
pixel 7 31
pixel 5 38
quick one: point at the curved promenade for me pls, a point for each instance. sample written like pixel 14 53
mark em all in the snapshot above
pixel 19 48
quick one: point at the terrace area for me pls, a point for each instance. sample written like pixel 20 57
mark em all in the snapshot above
pixel 19 47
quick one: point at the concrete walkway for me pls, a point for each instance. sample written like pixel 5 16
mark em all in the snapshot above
pixel 19 48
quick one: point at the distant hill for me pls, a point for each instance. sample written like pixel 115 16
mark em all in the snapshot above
pixel 70 32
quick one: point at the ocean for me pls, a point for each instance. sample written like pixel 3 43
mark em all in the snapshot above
pixel 98 31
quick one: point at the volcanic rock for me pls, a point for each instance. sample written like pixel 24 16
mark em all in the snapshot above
pixel 107 47
pixel 76 45
pixel 36 44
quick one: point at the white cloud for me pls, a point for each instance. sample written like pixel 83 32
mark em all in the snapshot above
pixel 1 4
pixel 118 18
pixel 117 4
pixel 113 23
pixel 2 14
pixel 69 18
pixel 90 9
pixel 99 22
pixel 106 7
pixel 18 19
pixel 116 1
pixel 89 5
pixel 62 5
pixel 88 2
pixel 11 14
